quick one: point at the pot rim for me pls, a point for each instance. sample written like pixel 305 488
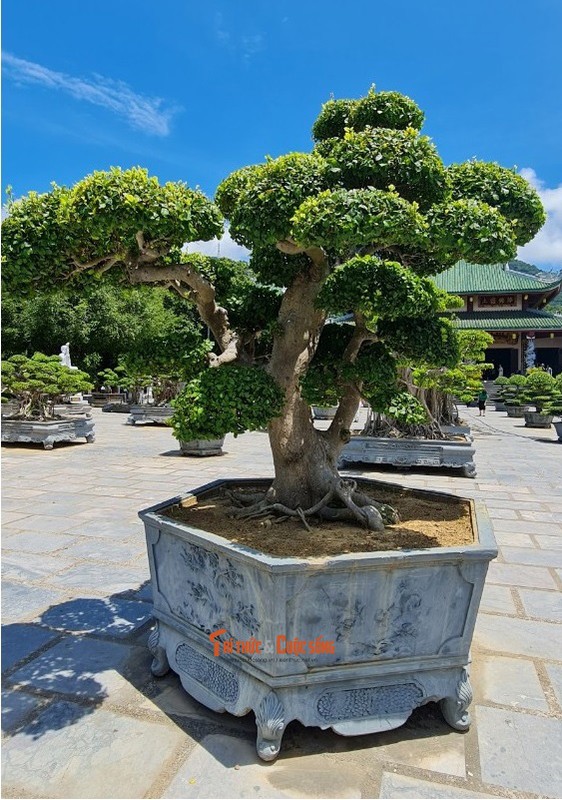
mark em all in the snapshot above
pixel 484 548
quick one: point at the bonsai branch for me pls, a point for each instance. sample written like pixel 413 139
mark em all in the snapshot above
pixel 200 290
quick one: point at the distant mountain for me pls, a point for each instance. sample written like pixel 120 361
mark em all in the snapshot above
pixel 529 269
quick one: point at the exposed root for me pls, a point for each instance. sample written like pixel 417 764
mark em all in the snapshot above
pixel 357 507
pixel 243 499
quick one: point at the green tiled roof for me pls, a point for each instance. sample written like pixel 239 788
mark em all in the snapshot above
pixel 465 278
pixel 508 320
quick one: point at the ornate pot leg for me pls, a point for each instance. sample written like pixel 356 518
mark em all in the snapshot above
pixel 454 709
pixel 160 665
pixel 270 721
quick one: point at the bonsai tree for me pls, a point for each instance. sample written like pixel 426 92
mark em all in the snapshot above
pixel 353 228
pixel 554 405
pixel 511 391
pixel 439 388
pixel 540 389
pixel 37 383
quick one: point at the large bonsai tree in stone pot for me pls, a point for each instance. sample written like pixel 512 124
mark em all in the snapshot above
pixel 351 229
pixel 36 385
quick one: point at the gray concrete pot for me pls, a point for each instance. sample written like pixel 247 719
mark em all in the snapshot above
pixel 410 453
pixel 48 432
pixel 499 406
pixel 400 624
pixel 457 430
pixel 100 399
pixel 202 447
pixel 535 419
pixel 558 429
pixel 516 411
pixel 144 414
pixel 79 409
pixel 324 412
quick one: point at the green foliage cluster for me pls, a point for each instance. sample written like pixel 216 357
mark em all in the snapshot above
pixel 374 369
pixel 376 110
pixel 406 410
pixel 541 389
pixel 230 399
pixel 378 288
pixel 46 237
pixel 385 158
pixel 502 189
pixel 340 219
pixel 37 383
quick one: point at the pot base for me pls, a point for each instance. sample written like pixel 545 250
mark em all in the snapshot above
pixel 349 705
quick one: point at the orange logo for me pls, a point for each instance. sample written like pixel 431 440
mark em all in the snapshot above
pixel 282 645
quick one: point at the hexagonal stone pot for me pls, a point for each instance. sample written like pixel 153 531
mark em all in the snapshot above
pixel 410 453
pixel 144 414
pixel 558 429
pixel 47 432
pixel 400 624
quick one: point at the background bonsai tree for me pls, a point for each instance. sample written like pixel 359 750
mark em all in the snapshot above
pixel 37 383
pixel 436 390
pixel 352 228
pixel 540 389
pixel 554 405
pixel 511 391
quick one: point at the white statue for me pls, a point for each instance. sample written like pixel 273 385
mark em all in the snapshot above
pixel 500 371
pixel 64 356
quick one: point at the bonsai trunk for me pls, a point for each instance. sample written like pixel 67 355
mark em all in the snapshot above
pixel 305 463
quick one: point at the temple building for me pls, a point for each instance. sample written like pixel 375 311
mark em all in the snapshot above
pixel 510 306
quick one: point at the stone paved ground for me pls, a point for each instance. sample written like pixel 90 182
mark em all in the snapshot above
pixel 82 716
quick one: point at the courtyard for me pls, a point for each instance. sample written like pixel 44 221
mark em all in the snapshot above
pixel 82 716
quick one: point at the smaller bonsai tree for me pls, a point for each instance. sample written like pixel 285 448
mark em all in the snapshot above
pixel 511 392
pixel 112 380
pixel 234 399
pixel 37 383
pixel 554 406
pixel 540 389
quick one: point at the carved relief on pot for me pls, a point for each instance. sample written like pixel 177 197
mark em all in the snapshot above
pixel 207 589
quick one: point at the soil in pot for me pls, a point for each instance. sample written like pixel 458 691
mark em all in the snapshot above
pixel 431 521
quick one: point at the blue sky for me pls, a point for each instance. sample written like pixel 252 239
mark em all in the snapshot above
pixel 194 90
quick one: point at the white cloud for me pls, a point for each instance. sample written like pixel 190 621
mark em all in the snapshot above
pixel 143 113
pixel 545 250
pixel 225 247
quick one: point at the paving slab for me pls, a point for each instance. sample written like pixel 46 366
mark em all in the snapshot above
pixel 518 636
pixel 403 786
pixel 70 751
pixel 87 669
pixel 21 601
pixel 520 575
pixel 16 707
pixel 116 617
pixel 222 764
pixel 554 673
pixel 520 751
pixel 20 641
pixel 497 599
pixel 509 682
pixel 545 605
